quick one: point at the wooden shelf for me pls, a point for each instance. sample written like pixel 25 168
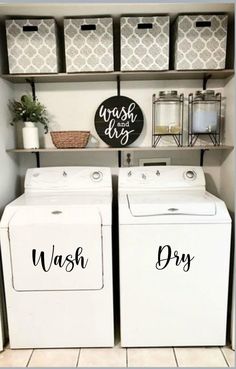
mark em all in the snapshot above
pixel 112 76
pixel 130 148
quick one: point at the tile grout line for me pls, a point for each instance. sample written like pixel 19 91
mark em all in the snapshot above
pixel 126 358
pixel 224 356
pixel 78 357
pixel 175 356
pixel 27 364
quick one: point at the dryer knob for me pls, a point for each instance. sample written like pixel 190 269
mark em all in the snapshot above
pixel 96 176
pixel 190 174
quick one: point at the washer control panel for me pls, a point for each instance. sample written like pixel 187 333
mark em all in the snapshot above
pixel 67 179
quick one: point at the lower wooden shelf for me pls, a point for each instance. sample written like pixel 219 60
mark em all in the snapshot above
pixel 130 148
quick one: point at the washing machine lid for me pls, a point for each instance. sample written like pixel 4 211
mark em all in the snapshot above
pixel 56 248
pixel 171 203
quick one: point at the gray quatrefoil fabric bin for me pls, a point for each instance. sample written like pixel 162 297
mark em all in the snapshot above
pixel 145 43
pixel 200 42
pixel 89 45
pixel 31 45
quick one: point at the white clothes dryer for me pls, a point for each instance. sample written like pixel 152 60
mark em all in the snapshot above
pixel 174 258
pixel 57 259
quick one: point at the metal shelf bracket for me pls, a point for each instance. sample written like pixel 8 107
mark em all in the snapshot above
pixel 202 153
pixel 118 94
pixel 37 155
pixel 32 85
pixel 206 77
pixel 118 85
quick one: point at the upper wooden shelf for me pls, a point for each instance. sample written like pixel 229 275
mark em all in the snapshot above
pixel 112 76
pixel 130 148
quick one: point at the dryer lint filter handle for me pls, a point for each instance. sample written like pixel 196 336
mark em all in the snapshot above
pixel 67 179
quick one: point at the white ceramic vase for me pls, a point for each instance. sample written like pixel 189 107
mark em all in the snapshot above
pixel 30 136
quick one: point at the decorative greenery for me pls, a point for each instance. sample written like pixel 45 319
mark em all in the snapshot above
pixel 28 110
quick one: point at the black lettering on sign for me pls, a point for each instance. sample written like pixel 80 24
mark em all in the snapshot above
pixel 119 121
pixel 165 255
pixel 68 261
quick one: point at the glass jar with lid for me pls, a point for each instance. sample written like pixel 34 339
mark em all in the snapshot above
pixel 167 115
pixel 205 114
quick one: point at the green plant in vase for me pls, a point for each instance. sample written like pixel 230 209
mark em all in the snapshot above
pixel 31 112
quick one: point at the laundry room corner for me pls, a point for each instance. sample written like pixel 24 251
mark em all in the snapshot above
pixel 117 183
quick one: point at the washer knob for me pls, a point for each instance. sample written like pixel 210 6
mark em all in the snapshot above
pixel 96 176
pixel 190 174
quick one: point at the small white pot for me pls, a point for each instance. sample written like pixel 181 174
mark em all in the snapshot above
pixel 30 136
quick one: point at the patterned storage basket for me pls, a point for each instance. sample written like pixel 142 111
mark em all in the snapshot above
pixel 200 42
pixel 89 45
pixel 31 45
pixel 145 43
pixel 70 139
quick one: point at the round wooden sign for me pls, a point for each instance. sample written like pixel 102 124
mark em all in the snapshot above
pixel 119 121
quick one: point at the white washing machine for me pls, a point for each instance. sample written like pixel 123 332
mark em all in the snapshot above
pixel 57 259
pixel 174 258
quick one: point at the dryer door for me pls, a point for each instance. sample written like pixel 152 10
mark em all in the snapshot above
pixel 56 249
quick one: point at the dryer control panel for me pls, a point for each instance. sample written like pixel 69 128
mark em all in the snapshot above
pixel 162 177
pixel 67 179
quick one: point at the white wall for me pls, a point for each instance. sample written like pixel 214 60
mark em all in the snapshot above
pixel 227 177
pixel 73 106
pixel 9 168
pixel 8 162
pixel 227 188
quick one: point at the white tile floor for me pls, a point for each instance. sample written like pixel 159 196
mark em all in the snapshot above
pixel 120 357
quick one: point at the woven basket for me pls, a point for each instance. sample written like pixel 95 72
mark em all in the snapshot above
pixel 70 139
